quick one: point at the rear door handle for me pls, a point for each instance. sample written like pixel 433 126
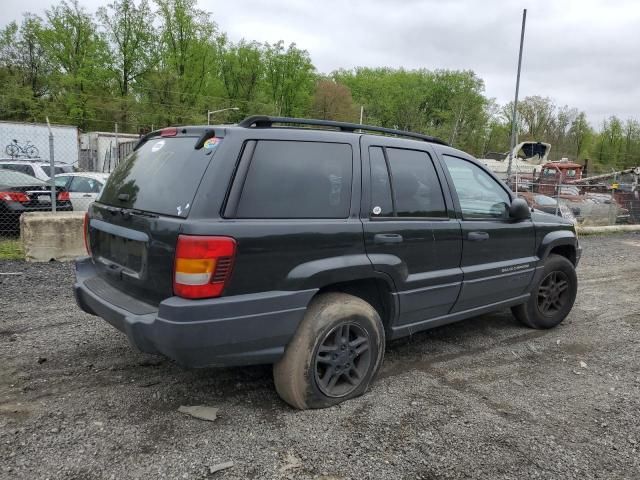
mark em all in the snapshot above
pixel 387 238
pixel 478 236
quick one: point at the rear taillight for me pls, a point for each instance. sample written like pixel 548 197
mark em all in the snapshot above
pixel 85 229
pixel 203 265
pixel 14 197
pixel 63 197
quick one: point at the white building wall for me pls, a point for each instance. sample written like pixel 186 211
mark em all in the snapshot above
pixel 37 134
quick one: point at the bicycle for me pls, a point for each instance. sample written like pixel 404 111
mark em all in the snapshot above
pixel 15 150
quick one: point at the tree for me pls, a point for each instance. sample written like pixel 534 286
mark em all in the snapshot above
pixel 78 55
pixel 289 77
pixel 332 101
pixel 129 29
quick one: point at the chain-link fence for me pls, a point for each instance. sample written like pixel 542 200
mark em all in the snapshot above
pixel 600 204
pixel 53 168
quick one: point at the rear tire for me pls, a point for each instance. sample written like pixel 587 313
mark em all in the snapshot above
pixel 334 355
pixel 552 298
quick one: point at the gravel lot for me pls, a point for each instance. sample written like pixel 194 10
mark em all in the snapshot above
pixel 484 398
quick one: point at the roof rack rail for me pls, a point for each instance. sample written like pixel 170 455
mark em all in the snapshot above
pixel 263 121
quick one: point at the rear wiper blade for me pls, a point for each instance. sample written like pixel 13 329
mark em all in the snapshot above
pixel 138 213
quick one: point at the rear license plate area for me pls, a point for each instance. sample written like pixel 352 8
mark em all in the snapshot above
pixel 122 251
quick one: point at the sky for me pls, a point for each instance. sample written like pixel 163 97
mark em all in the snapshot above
pixel 580 53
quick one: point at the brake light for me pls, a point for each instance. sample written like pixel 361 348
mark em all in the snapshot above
pixel 169 132
pixel 203 265
pixel 85 229
pixel 14 197
pixel 63 197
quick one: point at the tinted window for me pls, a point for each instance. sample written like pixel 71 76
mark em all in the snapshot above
pixel 18 167
pixel 415 184
pixel 16 179
pixel 56 170
pixel 84 185
pixel 297 180
pixel 381 204
pixel 480 195
pixel 161 177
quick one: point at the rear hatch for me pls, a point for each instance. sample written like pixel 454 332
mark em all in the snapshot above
pixel 135 222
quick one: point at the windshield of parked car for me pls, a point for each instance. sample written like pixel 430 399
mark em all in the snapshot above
pixel 9 178
pixel 544 200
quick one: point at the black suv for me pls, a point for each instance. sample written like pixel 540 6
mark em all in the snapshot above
pixel 308 244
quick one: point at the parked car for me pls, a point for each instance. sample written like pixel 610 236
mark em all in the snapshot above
pixel 547 204
pixel 20 193
pixel 83 187
pixel 39 170
pixel 309 248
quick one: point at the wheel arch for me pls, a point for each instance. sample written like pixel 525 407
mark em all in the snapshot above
pixel 375 290
pixel 559 242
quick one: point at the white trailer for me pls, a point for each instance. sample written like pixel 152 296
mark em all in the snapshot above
pixel 102 151
pixel 24 141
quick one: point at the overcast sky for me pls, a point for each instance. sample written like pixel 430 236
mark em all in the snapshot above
pixel 582 53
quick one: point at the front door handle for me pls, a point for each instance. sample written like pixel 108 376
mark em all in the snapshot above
pixel 478 236
pixel 387 238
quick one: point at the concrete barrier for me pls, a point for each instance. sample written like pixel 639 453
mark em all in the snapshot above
pixel 52 236
pixel 585 230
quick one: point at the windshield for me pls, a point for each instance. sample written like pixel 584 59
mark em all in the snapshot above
pixel 10 178
pixel 162 176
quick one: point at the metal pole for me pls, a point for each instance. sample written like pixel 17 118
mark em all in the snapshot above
pixel 117 160
pixel 52 180
pixel 514 120
pixel 361 113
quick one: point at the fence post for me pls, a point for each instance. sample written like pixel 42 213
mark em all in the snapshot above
pixel 117 160
pixel 52 180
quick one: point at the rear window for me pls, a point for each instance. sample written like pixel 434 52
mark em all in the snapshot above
pixel 162 177
pixel 18 179
pixel 18 167
pixel 288 179
pixel 57 170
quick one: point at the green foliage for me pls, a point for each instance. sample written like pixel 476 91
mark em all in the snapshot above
pixel 11 250
pixel 147 65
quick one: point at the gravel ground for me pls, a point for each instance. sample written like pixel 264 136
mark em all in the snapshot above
pixel 484 398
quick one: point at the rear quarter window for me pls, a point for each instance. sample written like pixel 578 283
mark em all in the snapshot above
pixel 289 179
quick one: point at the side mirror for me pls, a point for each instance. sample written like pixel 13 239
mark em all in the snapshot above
pixel 519 209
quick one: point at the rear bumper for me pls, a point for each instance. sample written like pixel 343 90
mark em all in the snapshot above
pixel 238 330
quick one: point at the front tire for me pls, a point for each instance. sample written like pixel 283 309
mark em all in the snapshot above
pixel 553 297
pixel 334 355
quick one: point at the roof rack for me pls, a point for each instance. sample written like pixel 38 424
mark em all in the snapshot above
pixel 263 121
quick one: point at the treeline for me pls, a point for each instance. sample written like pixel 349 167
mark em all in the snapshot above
pixel 145 65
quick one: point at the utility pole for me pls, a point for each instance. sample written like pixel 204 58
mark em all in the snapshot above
pixel 514 121
pixel 361 113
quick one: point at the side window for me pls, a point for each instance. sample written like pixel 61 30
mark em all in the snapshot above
pixel 416 189
pixel 84 185
pixel 288 179
pixel 381 204
pixel 480 195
